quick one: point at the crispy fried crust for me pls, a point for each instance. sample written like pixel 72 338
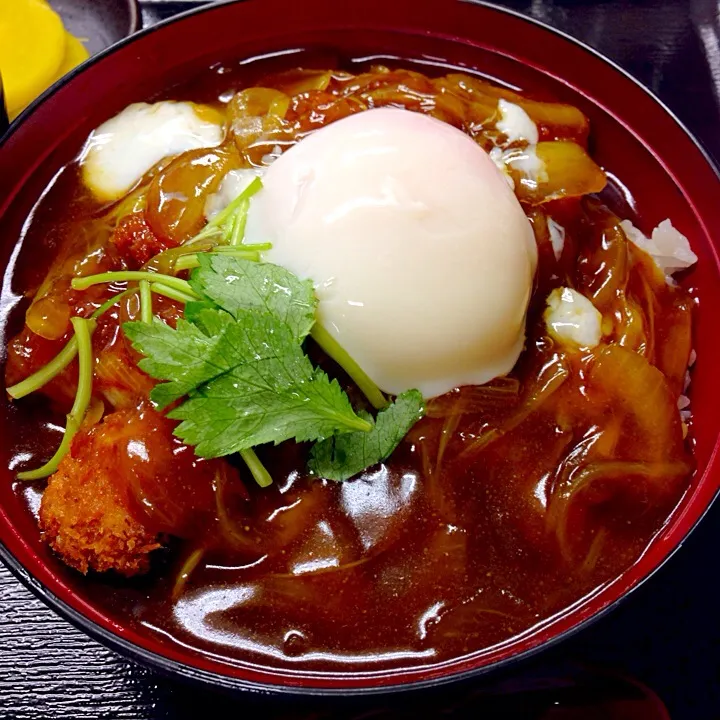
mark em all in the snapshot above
pixel 126 485
pixel 86 512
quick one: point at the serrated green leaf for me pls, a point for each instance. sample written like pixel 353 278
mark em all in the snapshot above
pixel 237 285
pixel 194 311
pixel 186 356
pixel 271 393
pixel 340 457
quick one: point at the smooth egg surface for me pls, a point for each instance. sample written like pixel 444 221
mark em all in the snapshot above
pixel 421 255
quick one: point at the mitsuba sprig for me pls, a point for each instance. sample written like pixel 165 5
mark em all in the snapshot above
pixel 236 362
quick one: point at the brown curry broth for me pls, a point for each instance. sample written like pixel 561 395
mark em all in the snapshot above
pixel 444 550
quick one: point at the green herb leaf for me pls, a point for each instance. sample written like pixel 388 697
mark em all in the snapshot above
pixel 236 285
pixel 341 457
pixel 204 315
pixel 187 356
pixel 242 364
pixel 269 393
pixel 196 352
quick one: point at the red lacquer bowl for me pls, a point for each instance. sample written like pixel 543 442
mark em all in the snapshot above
pixel 634 138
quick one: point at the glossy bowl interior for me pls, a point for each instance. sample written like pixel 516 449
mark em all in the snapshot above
pixel 634 139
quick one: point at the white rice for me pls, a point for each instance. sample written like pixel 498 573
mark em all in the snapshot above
pixel 668 247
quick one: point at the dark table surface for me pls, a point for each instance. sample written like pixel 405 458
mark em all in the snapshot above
pixel 666 635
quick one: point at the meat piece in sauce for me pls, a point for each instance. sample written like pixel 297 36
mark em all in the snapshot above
pixel 136 242
pixel 125 486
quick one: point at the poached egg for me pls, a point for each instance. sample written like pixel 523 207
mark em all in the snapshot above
pixel 421 256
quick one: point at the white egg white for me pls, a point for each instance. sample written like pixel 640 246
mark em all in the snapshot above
pixel 516 124
pixel 120 151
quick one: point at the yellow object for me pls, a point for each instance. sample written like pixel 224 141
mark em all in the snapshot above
pixel 75 53
pixel 35 50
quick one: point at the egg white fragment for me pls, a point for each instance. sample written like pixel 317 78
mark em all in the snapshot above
pixel 527 163
pixel 516 124
pixel 119 152
pixel 668 247
pixel 572 319
pixel 517 147
pixel 420 253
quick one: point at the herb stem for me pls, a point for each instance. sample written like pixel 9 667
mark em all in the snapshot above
pixel 333 348
pixel 188 262
pixel 52 464
pixel 83 337
pixel 255 466
pixel 146 311
pixel 172 293
pixel 83 333
pixel 82 283
pixel 218 224
pixel 47 372
pixel 111 302
pixel 356 423
pixel 255 247
pixel 238 226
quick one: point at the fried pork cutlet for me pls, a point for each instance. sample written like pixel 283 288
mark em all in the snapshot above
pixel 126 485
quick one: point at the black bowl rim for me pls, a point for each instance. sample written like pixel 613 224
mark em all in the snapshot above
pixel 208 679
